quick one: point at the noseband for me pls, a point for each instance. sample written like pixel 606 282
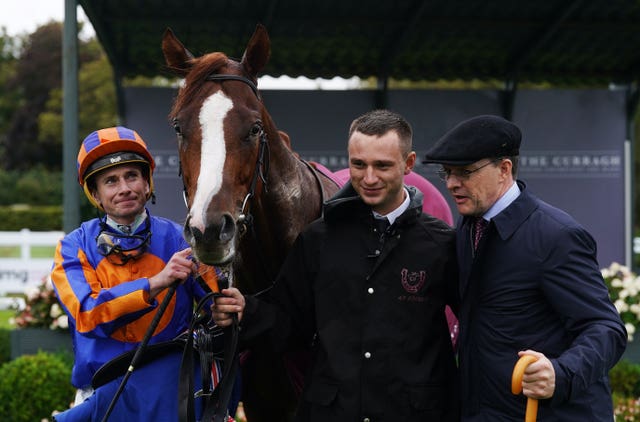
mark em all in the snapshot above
pixel 245 219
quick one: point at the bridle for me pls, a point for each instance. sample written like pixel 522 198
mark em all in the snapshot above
pixel 261 171
pixel 227 77
pixel 217 407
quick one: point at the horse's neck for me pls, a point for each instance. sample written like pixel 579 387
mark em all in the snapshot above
pixel 292 200
pixel 294 196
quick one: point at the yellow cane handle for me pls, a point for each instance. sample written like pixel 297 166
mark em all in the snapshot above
pixel 516 385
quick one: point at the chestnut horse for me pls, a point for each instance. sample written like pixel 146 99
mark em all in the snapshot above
pixel 248 193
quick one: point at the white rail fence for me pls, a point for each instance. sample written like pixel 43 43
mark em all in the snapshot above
pixel 18 274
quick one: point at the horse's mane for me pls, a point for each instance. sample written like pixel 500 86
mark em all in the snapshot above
pixel 201 67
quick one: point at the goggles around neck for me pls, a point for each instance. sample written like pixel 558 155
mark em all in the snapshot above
pixel 120 248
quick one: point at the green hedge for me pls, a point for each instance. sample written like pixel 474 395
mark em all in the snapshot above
pixel 625 379
pixel 5 345
pixel 37 218
pixel 36 186
pixel 33 386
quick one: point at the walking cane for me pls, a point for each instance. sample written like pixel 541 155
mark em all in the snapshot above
pixel 516 386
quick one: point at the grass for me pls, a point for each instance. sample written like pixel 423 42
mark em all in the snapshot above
pixel 5 315
pixel 14 252
pixel 36 251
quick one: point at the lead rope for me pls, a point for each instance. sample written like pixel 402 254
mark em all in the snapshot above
pixel 215 407
pixel 224 389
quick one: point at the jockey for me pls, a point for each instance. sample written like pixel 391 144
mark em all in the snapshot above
pixel 110 275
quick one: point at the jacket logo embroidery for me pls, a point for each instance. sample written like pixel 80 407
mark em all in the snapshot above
pixel 412 281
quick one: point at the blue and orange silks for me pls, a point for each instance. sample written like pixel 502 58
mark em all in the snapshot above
pixel 108 304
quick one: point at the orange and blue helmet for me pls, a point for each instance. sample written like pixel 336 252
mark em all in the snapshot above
pixel 111 147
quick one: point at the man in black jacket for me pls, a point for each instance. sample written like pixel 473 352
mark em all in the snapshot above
pixel 367 286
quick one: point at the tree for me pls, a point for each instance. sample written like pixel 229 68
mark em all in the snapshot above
pixel 96 102
pixel 34 131
pixel 38 71
pixel 8 92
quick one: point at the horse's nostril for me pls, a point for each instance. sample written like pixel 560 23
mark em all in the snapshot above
pixel 197 234
pixel 227 228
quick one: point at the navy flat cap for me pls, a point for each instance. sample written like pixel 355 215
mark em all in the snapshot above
pixel 474 139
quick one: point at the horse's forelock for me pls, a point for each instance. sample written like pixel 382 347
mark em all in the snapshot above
pixel 197 77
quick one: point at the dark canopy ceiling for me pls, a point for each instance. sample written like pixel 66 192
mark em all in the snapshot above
pixel 567 42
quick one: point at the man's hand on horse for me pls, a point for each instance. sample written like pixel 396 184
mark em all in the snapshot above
pixel 232 302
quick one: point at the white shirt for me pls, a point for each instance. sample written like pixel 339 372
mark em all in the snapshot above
pixel 503 202
pixel 398 211
pixel 136 223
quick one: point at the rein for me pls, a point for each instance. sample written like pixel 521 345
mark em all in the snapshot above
pixel 216 399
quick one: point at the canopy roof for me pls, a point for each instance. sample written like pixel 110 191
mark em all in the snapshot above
pixel 564 42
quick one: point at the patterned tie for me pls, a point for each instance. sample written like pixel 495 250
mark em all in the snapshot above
pixel 479 227
pixel 381 224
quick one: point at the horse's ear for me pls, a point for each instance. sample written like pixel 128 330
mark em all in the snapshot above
pixel 285 138
pixel 258 50
pixel 176 55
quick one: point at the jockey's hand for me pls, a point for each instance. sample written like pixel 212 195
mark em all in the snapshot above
pixel 179 268
pixel 232 302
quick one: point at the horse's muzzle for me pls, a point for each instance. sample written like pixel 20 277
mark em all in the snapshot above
pixel 216 245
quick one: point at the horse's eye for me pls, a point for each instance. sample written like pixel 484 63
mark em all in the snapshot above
pixel 255 129
pixel 176 126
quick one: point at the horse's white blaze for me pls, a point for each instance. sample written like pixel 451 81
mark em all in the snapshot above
pixel 212 155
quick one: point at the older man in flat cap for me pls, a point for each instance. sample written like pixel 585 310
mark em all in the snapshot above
pixel 530 284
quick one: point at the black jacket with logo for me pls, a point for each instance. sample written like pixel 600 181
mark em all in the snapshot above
pixel 373 309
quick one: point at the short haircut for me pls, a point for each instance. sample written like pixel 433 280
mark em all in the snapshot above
pixel 379 122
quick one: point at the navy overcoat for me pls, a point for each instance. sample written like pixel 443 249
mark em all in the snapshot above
pixel 534 283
